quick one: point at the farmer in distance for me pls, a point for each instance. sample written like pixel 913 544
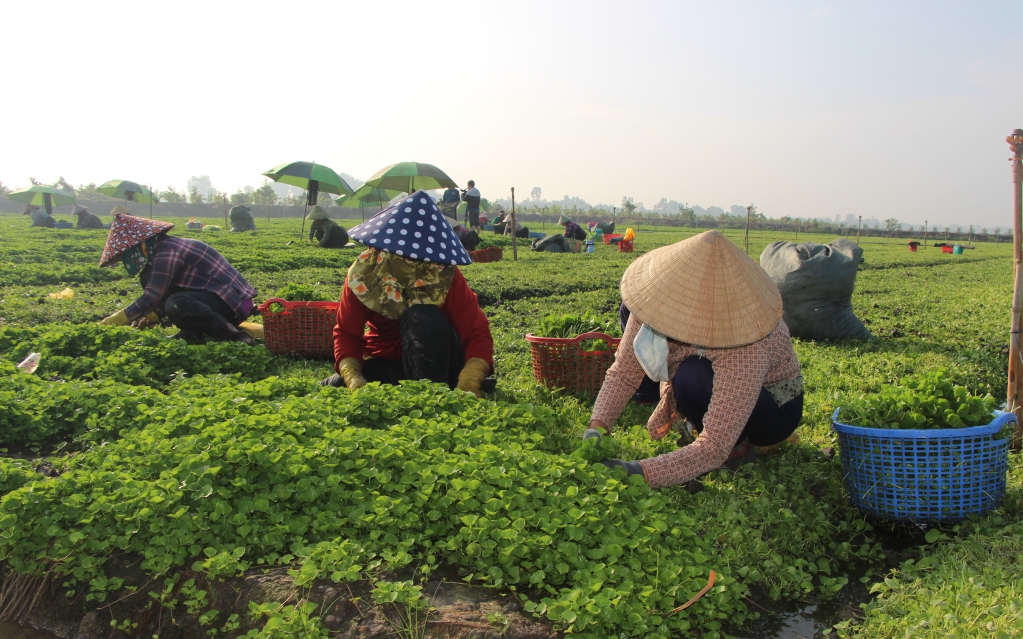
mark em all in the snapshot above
pixel 424 321
pixel 185 280
pixel 241 219
pixel 328 234
pixel 40 217
pixel 86 220
pixel 705 322
pixel 572 230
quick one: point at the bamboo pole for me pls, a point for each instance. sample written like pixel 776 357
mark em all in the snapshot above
pixel 925 233
pixel 515 245
pixel 150 202
pixel 1015 364
pixel 749 209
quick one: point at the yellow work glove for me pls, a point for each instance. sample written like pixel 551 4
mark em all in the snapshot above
pixel 117 319
pixel 472 375
pixel 351 371
pixel 145 322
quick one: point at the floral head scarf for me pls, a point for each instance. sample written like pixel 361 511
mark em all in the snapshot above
pixel 389 284
pixel 127 231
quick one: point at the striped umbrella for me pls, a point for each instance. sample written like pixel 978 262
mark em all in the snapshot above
pixel 41 195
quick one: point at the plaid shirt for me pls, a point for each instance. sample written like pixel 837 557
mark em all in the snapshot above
pixel 191 265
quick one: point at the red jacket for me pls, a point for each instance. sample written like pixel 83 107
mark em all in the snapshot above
pixel 383 339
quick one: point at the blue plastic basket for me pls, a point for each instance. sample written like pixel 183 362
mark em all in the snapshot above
pixel 536 234
pixel 922 476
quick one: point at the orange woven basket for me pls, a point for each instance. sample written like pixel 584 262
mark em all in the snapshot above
pixel 491 254
pixel 561 363
pixel 301 328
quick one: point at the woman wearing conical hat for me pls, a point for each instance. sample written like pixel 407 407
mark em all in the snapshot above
pixel 40 217
pixel 328 234
pixel 572 230
pixel 86 220
pixel 423 320
pixel 185 280
pixel 705 322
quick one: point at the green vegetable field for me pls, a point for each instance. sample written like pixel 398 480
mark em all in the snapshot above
pixel 152 483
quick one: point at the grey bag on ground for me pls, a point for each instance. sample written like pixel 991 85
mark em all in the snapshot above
pixel 816 283
pixel 552 244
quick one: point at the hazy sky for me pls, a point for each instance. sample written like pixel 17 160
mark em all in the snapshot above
pixel 804 108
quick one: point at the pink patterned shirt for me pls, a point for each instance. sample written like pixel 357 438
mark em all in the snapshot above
pixel 739 374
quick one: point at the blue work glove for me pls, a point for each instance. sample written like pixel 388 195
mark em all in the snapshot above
pixel 630 467
pixel 592 433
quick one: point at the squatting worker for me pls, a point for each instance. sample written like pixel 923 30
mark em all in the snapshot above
pixel 572 230
pixel 86 220
pixel 241 219
pixel 705 322
pixel 40 217
pixel 471 197
pixel 470 239
pixel 185 280
pixel 328 234
pixel 423 320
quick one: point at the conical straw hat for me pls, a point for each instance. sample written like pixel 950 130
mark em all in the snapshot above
pixel 703 291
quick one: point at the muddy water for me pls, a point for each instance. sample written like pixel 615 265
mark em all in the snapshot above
pixel 11 630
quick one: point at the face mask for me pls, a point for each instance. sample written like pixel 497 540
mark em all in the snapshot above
pixel 651 350
pixel 136 258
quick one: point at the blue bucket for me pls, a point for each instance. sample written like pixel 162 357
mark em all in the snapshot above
pixel 923 476
pixel 589 246
pixel 957 250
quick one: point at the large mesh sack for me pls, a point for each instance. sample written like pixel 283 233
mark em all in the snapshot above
pixel 551 244
pixel 816 283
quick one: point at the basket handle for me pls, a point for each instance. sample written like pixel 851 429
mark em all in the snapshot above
pixel 579 339
pixel 265 306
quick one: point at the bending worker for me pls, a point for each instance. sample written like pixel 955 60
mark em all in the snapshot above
pixel 40 217
pixel 185 280
pixel 241 219
pixel 706 323
pixel 86 220
pixel 424 322
pixel 572 230
pixel 328 233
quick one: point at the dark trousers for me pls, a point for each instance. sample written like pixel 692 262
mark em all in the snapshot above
pixel 769 424
pixel 430 349
pixel 649 391
pixel 202 312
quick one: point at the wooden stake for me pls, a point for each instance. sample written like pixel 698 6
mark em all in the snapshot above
pixel 925 233
pixel 1015 364
pixel 515 245
pixel 150 202
pixel 749 210
pixel 859 222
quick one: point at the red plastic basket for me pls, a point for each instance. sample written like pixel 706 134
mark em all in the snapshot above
pixel 625 246
pixel 560 363
pixel 608 238
pixel 490 254
pixel 301 328
pixel 946 249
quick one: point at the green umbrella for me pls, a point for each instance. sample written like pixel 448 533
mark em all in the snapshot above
pixel 410 177
pixel 128 191
pixel 41 195
pixel 364 195
pixel 313 178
